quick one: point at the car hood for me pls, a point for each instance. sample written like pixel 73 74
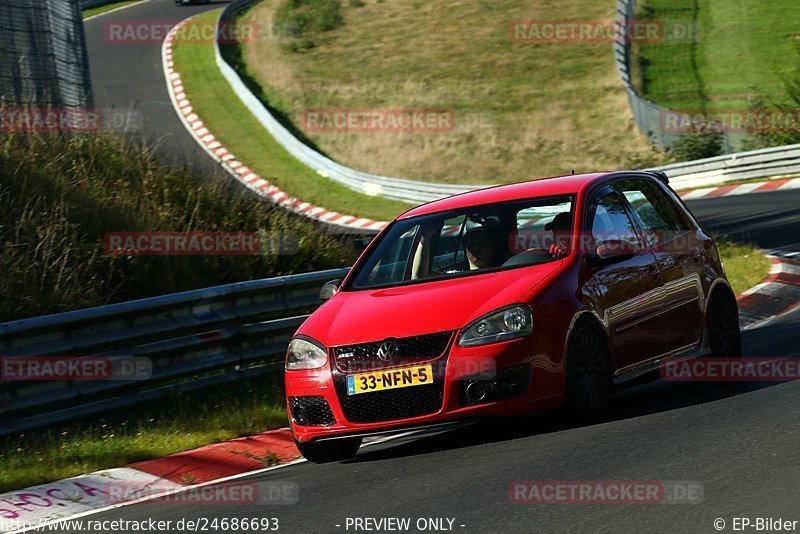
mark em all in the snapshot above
pixel 375 314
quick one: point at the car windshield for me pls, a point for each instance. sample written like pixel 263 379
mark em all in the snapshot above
pixel 468 241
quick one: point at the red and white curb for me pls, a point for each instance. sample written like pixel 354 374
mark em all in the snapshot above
pixel 177 479
pixel 236 168
pixel 775 296
pixel 74 497
pixel 741 189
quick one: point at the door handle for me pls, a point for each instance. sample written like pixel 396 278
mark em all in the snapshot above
pixel 652 272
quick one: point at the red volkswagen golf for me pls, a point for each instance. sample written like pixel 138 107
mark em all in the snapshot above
pixel 506 300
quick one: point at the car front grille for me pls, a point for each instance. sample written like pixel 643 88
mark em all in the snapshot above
pixel 364 356
pixel 392 404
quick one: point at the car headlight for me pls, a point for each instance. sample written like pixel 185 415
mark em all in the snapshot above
pixel 501 325
pixel 305 354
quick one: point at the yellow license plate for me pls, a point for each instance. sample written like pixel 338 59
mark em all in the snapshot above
pixel 390 379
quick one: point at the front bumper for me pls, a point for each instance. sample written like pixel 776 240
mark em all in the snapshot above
pixel 443 402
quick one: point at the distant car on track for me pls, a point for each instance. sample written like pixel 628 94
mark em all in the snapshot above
pixel 507 300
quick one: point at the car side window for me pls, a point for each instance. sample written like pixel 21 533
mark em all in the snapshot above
pixel 611 223
pixel 657 215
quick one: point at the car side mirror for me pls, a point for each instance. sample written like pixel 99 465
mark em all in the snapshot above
pixel 329 289
pixel 613 251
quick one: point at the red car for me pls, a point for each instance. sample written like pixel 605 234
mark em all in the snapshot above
pixel 506 300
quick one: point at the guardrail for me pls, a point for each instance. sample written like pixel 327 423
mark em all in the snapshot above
pixel 764 163
pixel 193 339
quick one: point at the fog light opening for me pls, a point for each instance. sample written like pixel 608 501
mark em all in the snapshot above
pixel 476 391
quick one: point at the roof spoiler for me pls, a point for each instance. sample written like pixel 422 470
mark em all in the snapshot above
pixel 661 175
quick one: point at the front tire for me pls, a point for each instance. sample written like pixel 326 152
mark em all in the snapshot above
pixel 724 336
pixel 329 451
pixel 588 380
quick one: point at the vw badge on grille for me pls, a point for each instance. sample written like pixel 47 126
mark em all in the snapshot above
pixel 388 350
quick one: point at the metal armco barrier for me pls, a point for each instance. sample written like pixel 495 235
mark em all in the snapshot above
pixel 193 339
pixel 764 163
pixel 43 63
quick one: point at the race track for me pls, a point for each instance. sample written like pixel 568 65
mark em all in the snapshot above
pixel 738 440
pixel 128 75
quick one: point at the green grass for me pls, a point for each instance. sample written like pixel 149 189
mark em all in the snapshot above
pixel 152 430
pixel 745 264
pixel 234 126
pixel 92 11
pixel 60 194
pixel 523 110
pixel 746 49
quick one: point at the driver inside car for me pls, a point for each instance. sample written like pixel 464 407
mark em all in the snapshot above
pixel 480 248
pixel 560 226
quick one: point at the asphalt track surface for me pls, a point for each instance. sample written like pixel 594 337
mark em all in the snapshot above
pixel 127 75
pixel 739 440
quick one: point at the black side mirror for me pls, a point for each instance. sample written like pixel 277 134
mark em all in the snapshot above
pixel 329 289
pixel 613 251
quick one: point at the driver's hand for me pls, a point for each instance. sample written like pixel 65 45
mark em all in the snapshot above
pixel 558 250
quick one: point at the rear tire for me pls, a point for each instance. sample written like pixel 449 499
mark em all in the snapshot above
pixel 724 336
pixel 588 380
pixel 329 451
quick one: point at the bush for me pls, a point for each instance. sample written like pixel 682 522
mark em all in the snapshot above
pixel 698 144
pixel 788 134
pixel 304 19
pixel 59 195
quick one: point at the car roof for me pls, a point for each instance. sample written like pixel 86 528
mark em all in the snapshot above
pixel 569 184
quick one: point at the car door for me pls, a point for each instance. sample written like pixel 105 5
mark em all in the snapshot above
pixel 626 292
pixel 679 257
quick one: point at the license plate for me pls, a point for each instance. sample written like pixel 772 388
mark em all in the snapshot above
pixel 390 379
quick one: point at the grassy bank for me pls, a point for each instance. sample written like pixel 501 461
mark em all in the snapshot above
pixel 744 49
pixel 153 430
pixel 522 110
pixel 234 126
pixel 60 195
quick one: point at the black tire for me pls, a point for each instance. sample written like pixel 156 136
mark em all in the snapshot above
pixel 334 450
pixel 724 336
pixel 588 381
